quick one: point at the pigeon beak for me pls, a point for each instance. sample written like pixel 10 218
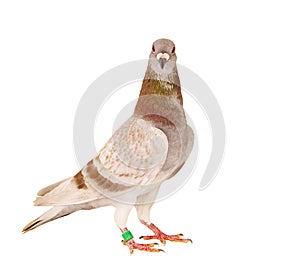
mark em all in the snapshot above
pixel 162 62
pixel 162 59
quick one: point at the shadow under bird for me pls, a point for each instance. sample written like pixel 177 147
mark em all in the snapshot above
pixel 149 148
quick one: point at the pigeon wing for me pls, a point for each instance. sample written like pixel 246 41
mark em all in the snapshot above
pixel 132 157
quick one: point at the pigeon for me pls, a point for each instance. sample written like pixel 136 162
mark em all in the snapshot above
pixel 148 149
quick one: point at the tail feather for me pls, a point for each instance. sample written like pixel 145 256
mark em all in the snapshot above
pixel 51 214
pixel 61 211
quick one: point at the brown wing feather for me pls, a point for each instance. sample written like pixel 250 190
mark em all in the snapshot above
pixel 71 191
pixel 47 189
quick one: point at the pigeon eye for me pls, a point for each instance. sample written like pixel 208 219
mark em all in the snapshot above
pixel 153 48
pixel 173 50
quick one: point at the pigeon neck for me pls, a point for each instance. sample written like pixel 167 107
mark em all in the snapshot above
pixel 153 84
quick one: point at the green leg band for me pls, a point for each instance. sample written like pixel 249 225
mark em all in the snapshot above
pixel 127 235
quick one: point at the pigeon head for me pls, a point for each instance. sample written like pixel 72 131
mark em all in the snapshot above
pixel 162 59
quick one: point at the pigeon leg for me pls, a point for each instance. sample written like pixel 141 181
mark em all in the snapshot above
pixel 121 216
pixel 143 212
pixel 132 245
pixel 162 237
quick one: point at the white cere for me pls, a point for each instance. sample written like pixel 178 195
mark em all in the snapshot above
pixel 163 55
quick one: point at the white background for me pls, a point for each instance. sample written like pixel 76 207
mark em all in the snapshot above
pixel 248 53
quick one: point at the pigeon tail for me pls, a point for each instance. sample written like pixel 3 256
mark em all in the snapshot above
pixel 51 214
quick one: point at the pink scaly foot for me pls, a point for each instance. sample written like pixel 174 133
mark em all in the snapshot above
pixel 132 245
pixel 162 237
